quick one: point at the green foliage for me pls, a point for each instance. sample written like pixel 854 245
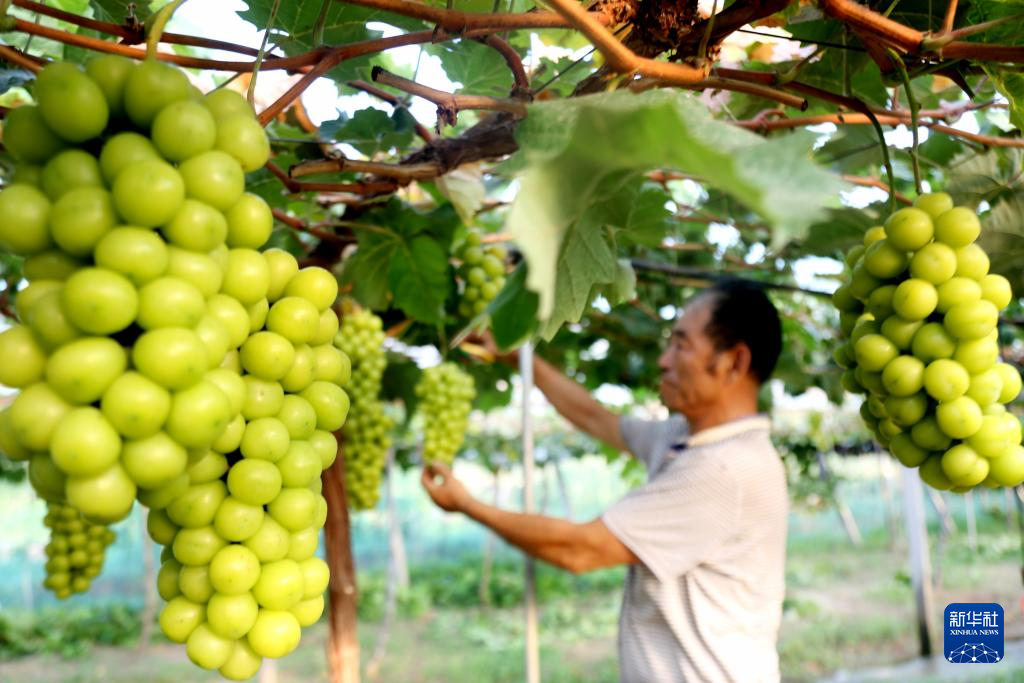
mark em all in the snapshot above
pixel 575 197
pixel 404 252
pixel 479 69
pixel 293 29
pixel 371 130
pixel 456 584
pixel 118 11
pixel 67 631
pixel 12 471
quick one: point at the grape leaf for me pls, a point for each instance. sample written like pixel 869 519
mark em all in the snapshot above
pixel 1011 86
pixel 481 70
pixel 367 269
pixel 419 277
pixel 405 252
pixel 1003 240
pixel 370 130
pixel 514 311
pixel 295 22
pixel 973 178
pixel 566 215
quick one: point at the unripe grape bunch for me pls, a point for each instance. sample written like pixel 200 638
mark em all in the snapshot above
pixel 367 431
pixel 919 318
pixel 161 356
pixel 482 272
pixel 446 394
pixel 75 552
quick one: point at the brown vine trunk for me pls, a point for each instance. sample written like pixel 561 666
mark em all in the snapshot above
pixel 342 644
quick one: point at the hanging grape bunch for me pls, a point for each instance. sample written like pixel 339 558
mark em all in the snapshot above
pixel 161 356
pixel 482 272
pixel 920 316
pixel 75 552
pixel 446 394
pixel 367 430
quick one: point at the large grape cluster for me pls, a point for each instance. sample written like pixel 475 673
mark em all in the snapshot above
pixel 75 552
pixel 161 356
pixel 445 395
pixel 920 315
pixel 367 430
pixel 482 272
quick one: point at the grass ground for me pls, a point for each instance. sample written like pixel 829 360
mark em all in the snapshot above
pixel 849 612
pixel 847 609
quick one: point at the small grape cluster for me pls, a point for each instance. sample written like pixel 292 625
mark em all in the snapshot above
pixel 446 394
pixel 75 552
pixel 367 431
pixel 482 272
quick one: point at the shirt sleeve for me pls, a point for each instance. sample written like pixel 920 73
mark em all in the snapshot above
pixel 679 519
pixel 648 440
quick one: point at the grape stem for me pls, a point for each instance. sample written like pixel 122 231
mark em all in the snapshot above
pixel 912 101
pixel 251 94
pixel 160 20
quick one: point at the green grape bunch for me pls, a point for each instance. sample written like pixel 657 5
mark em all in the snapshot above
pixel 482 272
pixel 367 431
pixel 919 319
pixel 446 394
pixel 75 551
pixel 164 355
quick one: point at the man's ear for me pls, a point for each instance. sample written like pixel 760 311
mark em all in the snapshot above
pixel 741 359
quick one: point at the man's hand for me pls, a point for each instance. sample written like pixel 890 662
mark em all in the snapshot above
pixel 447 492
pixel 486 341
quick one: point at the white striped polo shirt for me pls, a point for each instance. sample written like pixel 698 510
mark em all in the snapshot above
pixel 709 528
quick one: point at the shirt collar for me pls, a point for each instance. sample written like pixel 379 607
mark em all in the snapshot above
pixel 724 432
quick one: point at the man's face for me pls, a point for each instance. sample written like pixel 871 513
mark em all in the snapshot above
pixel 692 371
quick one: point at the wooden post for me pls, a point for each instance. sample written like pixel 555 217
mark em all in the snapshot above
pixel 342 644
pixel 148 585
pixel 532 639
pixel 563 489
pixel 268 671
pixel 948 523
pixel 398 573
pixel 972 522
pixel 891 518
pixel 920 561
pixel 396 543
pixel 484 591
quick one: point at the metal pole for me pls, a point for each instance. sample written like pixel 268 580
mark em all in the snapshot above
pixel 532 641
pixel 920 560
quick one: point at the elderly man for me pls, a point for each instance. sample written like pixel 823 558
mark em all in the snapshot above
pixel 705 537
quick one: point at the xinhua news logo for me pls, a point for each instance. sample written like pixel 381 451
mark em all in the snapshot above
pixel 974 633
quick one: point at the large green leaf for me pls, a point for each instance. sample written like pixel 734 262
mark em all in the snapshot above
pixel 567 214
pixel 296 20
pixel 1008 33
pixel 974 178
pixel 419 275
pixel 1003 240
pixel 1011 85
pixel 404 252
pixel 370 130
pixel 514 311
pixel 479 69
pixel 367 269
